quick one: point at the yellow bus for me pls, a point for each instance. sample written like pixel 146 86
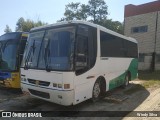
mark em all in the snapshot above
pixel 11 53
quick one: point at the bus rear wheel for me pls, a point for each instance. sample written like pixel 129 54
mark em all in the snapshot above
pixel 126 81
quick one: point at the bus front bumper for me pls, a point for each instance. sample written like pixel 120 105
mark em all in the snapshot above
pixel 10 80
pixel 4 83
pixel 62 97
pixel 9 83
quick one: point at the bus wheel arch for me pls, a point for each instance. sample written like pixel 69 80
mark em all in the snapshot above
pixel 99 89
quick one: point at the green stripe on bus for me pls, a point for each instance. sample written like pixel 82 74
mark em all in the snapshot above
pixel 117 81
pixel 133 68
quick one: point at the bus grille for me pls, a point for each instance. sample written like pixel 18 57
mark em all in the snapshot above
pixel 39 93
pixel 42 83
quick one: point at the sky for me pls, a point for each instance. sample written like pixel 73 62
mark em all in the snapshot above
pixel 52 10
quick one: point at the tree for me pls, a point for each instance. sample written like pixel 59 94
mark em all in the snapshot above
pixel 7 29
pixel 26 25
pixel 112 25
pixel 75 11
pixel 20 24
pixel 97 10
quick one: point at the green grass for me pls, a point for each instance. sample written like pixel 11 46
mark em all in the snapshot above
pixel 147 75
pixel 149 80
pixel 133 89
pixel 151 83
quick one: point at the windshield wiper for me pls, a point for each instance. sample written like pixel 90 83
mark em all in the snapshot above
pixel 47 56
pixel 29 55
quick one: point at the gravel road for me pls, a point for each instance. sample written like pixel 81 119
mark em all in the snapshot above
pixel 141 100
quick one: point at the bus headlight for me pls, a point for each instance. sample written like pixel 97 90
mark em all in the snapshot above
pixel 54 84
pixel 59 85
pixel 66 86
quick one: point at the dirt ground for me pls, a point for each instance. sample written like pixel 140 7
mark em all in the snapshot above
pixel 139 100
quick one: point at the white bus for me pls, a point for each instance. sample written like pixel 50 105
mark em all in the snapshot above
pixel 70 62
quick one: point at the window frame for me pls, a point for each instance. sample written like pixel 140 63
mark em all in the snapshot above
pixel 139 29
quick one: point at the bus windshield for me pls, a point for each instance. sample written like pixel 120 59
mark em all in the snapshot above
pixel 50 50
pixel 8 52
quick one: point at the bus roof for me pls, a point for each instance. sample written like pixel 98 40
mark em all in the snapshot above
pixel 86 23
pixel 16 33
pixel 12 35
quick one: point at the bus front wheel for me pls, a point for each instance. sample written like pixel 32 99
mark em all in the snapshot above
pixel 96 91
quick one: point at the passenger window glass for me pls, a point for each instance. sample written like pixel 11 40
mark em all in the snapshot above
pixel 114 46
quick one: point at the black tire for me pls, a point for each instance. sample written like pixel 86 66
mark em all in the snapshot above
pixel 96 93
pixel 126 81
pixel 99 89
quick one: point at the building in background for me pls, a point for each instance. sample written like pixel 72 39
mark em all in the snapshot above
pixel 142 22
